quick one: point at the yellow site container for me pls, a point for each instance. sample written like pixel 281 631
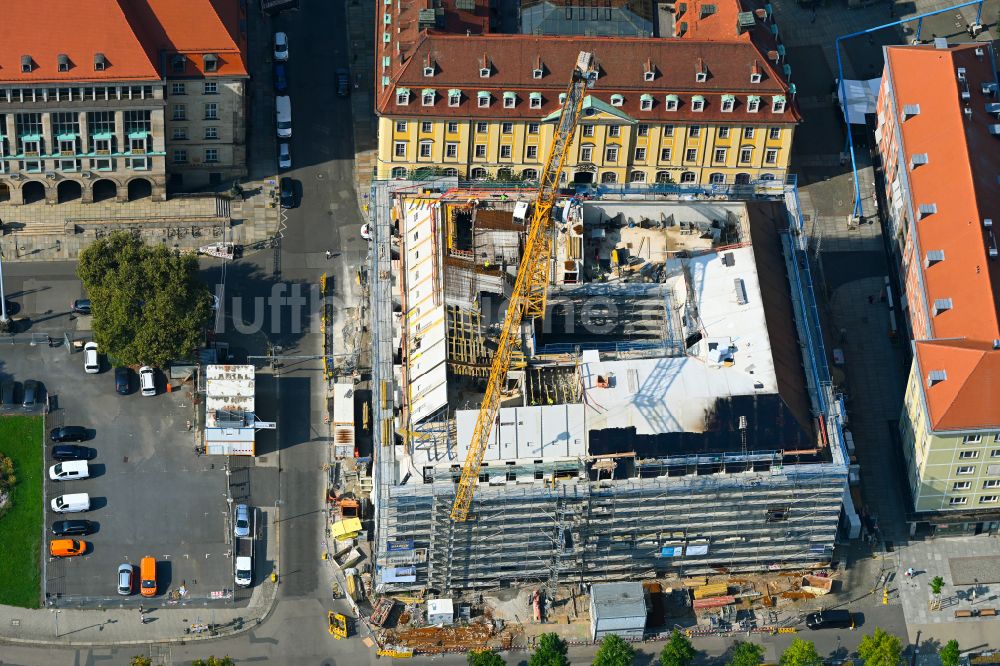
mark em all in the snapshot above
pixel 714 590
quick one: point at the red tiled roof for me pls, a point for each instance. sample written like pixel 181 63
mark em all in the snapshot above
pixel 969 395
pixel 43 30
pixel 134 35
pixel 960 179
pixel 621 62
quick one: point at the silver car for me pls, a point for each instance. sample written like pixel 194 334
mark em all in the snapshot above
pixel 125 573
pixel 241 527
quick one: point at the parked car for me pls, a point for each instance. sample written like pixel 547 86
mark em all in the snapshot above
pixel 32 394
pixel 284 156
pixel 69 434
pixel 287 193
pixel 69 470
pixel 73 527
pixel 8 393
pixel 366 231
pixel 283 116
pixel 280 46
pixel 67 547
pixel 82 306
pixel 123 380
pixel 71 452
pixel 126 572
pixel 281 78
pixel 343 82
pixel 241 526
pixel 147 576
pixel 147 381
pixel 830 619
pixel 72 503
pixel 91 361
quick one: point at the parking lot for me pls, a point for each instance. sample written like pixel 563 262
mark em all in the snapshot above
pixel 151 493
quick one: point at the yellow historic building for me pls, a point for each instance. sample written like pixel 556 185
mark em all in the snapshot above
pixel 483 107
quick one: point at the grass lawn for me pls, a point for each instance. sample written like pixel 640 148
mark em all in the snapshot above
pixel 21 527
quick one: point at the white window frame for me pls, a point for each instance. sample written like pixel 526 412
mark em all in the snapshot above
pixel 402 97
pixel 455 99
pixel 506 151
pixel 666 154
pixel 396 149
pixel 425 147
pixel 531 152
pixel 746 154
pixel 640 154
pixel 586 153
pixel 972 439
pixel 965 470
pixel 611 154
pixel 671 104
pixel 961 485
pixel 771 156
pixel 506 127
pixel 718 151
pixel 958 501
pixel 697 105
pixel 645 104
pixel 989 499
pixel 400 125
pixel 451 150
pixel 753 104
pixel 428 98
pixel 968 455
pixel 728 105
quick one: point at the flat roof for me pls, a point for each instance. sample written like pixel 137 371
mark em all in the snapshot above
pixel 228 388
pixel 612 600
pixel 528 433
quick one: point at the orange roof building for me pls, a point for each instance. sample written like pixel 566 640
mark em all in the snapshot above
pixel 699 96
pixel 939 139
pixel 120 97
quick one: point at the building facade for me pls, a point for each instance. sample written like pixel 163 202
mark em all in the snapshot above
pixel 716 110
pixel 86 118
pixel 937 137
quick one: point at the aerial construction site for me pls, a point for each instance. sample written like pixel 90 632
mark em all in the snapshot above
pixel 647 397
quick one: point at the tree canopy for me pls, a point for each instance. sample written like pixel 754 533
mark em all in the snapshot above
pixel 746 654
pixel 880 649
pixel 549 651
pixel 214 661
pixel 148 305
pixel 800 653
pixel 485 658
pixel 950 653
pixel 614 652
pixel 678 651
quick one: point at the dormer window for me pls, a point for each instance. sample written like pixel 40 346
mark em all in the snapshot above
pixel 562 98
pixel 728 103
pixel 755 77
pixel 672 102
pixel 177 63
pixel 454 97
pixel 941 305
pixel 428 71
pixel 428 97
pixel 509 100
pixel 617 100
pixel 403 96
pixel 648 75
pixel 537 73
pixel 63 62
pixel 698 103
pixel 27 64
pixel 535 100
pixel 701 77
pixel 646 103
pixel 211 62
pixel 778 104
pixel 100 62
pixel 483 99
pixel 753 104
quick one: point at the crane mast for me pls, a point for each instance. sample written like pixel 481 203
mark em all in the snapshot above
pixel 531 286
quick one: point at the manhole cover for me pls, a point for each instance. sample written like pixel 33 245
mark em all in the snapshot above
pixel 15 623
pixel 320 176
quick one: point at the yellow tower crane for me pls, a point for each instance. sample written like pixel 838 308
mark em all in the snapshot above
pixel 531 285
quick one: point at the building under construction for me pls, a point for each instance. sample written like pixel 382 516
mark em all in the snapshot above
pixel 671 414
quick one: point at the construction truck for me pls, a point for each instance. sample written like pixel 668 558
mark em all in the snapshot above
pixel 337 624
pixel 243 554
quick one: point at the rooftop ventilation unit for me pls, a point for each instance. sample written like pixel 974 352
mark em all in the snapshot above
pixel 940 42
pixel 936 377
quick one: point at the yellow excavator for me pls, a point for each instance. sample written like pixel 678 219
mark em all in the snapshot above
pixel 337 624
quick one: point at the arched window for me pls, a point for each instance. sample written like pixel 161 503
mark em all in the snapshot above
pixel 479 173
pixel 609 177
pixel 663 177
pixel 399 172
pixel 742 179
pixel 767 176
pixel 505 174
pixel 637 177
pixel 717 178
pixel 450 173
pixel 531 174
pixel 687 177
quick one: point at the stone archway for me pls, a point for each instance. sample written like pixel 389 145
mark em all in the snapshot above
pixel 4 192
pixel 742 179
pixel 139 188
pixel 68 190
pixel 583 177
pixel 105 190
pixel 32 192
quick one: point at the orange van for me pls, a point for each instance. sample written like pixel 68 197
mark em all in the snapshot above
pixel 67 547
pixel 147 574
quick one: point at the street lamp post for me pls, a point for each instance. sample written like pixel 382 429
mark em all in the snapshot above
pixel 3 298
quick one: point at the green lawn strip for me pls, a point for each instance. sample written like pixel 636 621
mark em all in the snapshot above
pixel 21 526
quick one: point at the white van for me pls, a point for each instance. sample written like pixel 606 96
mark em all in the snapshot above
pixel 147 380
pixel 283 109
pixel 69 470
pixel 71 503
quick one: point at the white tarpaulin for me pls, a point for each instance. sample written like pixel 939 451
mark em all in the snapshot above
pixel 862 98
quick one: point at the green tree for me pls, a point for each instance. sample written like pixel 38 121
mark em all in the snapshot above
pixel 678 651
pixel 148 304
pixel 746 654
pixel 950 653
pixel 140 660
pixel 937 584
pixel 485 658
pixel 549 651
pixel 614 652
pixel 880 649
pixel 800 653
pixel 214 661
